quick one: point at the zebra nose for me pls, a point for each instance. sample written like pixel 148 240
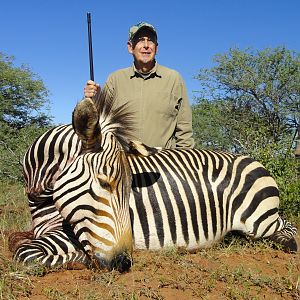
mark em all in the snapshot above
pixel 121 262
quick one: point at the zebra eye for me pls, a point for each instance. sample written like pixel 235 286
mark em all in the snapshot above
pixel 105 185
pixel 103 181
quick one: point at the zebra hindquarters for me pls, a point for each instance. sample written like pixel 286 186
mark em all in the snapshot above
pixel 54 249
pixel 258 215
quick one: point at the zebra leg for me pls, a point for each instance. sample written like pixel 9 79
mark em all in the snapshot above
pixel 285 236
pixel 278 230
pixel 53 249
pixel 30 254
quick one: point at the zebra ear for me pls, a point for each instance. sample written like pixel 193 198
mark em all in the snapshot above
pixel 85 121
pixel 137 148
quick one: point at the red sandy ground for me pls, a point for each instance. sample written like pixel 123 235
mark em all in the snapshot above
pixel 237 273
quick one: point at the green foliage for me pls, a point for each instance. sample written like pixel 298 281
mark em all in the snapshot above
pixel 22 96
pixel 13 145
pixel 285 169
pixel 218 125
pixel 210 125
pixel 254 92
pixel 23 115
pixel 14 212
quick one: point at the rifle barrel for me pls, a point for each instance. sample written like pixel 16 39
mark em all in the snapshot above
pixel 90 46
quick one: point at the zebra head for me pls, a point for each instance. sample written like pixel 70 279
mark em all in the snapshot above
pixel 92 194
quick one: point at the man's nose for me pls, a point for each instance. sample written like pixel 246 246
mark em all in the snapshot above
pixel 146 43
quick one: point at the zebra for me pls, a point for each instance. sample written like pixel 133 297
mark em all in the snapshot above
pixel 95 194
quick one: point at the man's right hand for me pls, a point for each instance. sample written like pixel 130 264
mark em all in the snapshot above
pixel 91 88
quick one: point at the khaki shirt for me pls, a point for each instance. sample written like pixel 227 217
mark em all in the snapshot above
pixel 159 102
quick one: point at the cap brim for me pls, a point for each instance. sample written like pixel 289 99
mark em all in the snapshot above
pixel 144 26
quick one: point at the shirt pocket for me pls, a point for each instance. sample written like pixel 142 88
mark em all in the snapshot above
pixel 166 104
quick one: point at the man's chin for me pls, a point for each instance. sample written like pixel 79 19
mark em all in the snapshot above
pixel 146 60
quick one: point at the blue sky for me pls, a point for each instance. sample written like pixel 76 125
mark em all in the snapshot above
pixel 51 37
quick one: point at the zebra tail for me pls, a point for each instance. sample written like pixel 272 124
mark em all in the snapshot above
pixel 285 236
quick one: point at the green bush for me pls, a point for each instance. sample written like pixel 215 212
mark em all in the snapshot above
pixel 13 145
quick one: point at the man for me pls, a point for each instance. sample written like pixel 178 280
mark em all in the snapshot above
pixel 155 94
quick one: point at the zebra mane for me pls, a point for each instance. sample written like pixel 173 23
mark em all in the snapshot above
pixel 118 121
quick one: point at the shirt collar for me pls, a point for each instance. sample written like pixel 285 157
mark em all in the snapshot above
pixel 154 72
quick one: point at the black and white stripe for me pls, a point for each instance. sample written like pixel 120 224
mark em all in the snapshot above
pixel 192 198
pixel 43 162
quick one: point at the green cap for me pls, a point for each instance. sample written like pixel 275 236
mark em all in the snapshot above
pixel 135 28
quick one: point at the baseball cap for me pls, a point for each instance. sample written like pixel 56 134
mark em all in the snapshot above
pixel 135 28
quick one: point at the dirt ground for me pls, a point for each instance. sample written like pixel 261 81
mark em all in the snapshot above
pixel 234 270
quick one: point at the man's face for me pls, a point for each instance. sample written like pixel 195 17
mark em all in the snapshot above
pixel 143 46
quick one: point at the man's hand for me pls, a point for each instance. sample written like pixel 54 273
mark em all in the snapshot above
pixel 91 88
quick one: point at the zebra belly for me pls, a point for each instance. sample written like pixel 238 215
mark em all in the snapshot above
pixel 172 205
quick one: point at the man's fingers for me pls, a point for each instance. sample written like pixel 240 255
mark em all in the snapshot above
pixel 90 82
pixel 91 88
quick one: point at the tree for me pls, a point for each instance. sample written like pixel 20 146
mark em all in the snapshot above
pixel 254 96
pixel 23 114
pixel 22 96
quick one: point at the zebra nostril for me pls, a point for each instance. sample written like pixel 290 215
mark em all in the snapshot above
pixel 121 262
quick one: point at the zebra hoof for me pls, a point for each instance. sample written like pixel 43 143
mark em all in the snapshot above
pixel 288 245
pixel 291 246
pixel 16 239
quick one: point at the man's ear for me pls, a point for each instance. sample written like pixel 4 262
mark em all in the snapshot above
pixel 130 47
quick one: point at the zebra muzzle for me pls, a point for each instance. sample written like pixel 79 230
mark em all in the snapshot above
pixel 120 262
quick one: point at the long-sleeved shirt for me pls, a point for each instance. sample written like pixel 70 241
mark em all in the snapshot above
pixel 159 103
